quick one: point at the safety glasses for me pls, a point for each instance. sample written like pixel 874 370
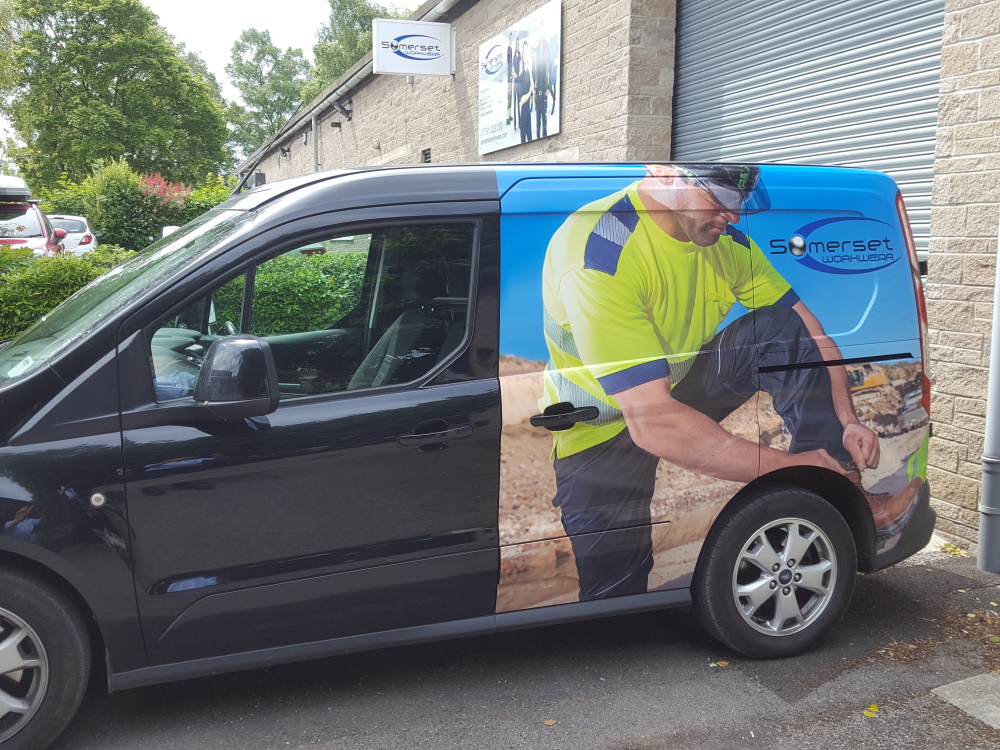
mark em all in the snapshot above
pixel 728 197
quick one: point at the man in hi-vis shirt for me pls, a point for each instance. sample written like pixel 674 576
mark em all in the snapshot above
pixel 635 287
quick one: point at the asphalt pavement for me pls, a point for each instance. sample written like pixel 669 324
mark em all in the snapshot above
pixel 912 665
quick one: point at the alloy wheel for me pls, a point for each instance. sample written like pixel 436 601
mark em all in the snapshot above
pixel 784 576
pixel 24 672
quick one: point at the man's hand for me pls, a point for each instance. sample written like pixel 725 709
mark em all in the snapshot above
pixel 863 445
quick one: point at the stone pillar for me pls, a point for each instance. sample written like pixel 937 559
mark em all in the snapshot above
pixel 651 80
pixel 961 266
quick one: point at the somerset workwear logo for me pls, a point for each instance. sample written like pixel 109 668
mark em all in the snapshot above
pixel 843 245
pixel 415 47
pixel 494 60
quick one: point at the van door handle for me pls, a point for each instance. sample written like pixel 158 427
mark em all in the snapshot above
pixel 562 416
pixel 438 436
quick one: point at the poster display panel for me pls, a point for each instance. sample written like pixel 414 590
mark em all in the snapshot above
pixel 519 81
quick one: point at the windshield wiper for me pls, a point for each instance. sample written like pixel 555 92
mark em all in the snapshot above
pixel 4 342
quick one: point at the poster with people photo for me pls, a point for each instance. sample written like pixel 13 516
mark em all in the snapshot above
pixel 519 85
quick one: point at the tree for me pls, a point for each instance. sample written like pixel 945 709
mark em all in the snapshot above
pixel 7 167
pixel 196 63
pixel 99 79
pixel 9 29
pixel 269 81
pixel 344 41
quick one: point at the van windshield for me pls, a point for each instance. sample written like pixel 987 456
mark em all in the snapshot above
pixel 86 310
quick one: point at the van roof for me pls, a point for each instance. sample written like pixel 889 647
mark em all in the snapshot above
pixel 431 183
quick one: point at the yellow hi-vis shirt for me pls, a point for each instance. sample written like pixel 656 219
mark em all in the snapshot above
pixel 626 304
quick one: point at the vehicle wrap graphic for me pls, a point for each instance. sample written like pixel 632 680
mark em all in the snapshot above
pixel 590 309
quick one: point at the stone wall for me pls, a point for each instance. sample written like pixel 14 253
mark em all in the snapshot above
pixel 651 80
pixel 617 84
pixel 961 268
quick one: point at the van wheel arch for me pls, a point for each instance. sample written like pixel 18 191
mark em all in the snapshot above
pixel 776 573
pixel 48 577
pixel 832 487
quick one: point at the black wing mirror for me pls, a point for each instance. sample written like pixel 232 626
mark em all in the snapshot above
pixel 238 378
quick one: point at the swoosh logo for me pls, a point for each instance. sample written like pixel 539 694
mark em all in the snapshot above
pixel 809 262
pixel 399 39
pixel 499 62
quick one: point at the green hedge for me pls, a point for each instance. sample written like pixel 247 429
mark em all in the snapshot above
pixel 129 209
pixel 292 293
pixel 29 288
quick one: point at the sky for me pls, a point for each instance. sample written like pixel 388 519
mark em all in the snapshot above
pixel 209 27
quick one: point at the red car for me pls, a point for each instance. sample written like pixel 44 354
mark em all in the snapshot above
pixel 23 224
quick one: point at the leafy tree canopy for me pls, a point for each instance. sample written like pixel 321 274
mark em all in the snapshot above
pixel 344 41
pixel 9 28
pixel 269 81
pixel 7 166
pixel 198 68
pixel 99 79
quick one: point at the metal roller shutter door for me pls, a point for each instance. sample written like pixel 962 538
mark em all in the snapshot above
pixel 852 83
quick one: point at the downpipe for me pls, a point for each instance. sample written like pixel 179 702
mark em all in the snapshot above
pixel 315 139
pixel 989 503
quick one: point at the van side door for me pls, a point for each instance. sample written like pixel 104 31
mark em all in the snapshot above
pixel 637 523
pixel 368 500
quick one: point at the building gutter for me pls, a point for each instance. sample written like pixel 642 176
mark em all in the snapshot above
pixel 353 81
pixel 989 503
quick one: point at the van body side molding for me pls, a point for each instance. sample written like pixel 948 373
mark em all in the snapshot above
pixel 402 637
pixel 835 362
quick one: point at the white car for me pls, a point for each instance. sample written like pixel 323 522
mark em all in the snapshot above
pixel 79 238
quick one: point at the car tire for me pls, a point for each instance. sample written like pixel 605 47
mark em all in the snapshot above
pixel 44 662
pixel 775 574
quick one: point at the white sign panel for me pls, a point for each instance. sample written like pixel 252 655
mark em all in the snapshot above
pixel 519 85
pixel 413 48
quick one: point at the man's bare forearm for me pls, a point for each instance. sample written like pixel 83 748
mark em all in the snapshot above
pixel 840 390
pixel 687 438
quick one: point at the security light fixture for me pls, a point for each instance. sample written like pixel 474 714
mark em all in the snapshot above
pixel 347 113
pixel 286 151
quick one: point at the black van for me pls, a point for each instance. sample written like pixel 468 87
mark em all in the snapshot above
pixel 374 407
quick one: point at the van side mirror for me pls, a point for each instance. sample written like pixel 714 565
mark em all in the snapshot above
pixel 59 233
pixel 238 378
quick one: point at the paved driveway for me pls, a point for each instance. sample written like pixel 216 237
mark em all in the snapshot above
pixel 640 682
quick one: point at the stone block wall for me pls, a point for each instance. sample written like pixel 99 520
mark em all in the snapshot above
pixel 651 80
pixel 617 71
pixel 965 220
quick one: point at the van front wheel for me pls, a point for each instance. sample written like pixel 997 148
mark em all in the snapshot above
pixel 44 662
pixel 776 573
